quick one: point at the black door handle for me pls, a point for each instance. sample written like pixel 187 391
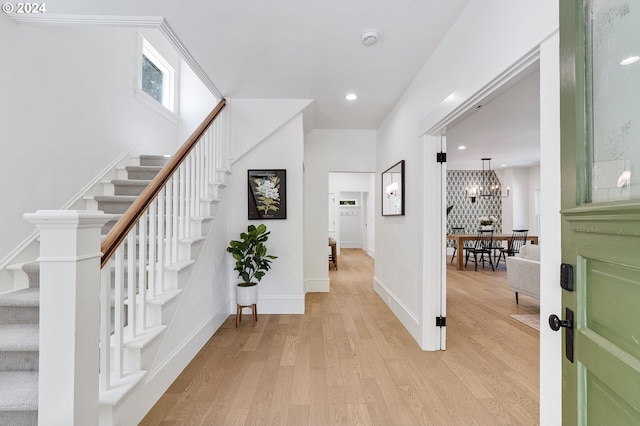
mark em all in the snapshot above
pixel 556 323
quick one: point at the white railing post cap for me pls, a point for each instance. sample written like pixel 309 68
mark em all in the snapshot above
pixel 70 218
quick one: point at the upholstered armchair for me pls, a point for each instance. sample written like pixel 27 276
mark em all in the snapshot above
pixel 523 271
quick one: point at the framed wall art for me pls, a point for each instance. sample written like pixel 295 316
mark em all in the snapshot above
pixel 267 194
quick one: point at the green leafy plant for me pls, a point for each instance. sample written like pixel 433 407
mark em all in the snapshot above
pixel 250 254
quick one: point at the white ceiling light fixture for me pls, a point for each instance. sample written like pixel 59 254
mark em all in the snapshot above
pixel 351 97
pixel 369 37
pixel 462 147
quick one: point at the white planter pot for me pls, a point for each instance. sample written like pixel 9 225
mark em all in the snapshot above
pixel 486 227
pixel 247 296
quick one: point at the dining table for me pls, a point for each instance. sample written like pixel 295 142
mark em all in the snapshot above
pixel 460 239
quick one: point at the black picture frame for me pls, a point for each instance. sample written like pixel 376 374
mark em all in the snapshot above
pixel 267 194
pixel 393 190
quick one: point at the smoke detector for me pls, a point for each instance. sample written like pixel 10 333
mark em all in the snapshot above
pixel 369 37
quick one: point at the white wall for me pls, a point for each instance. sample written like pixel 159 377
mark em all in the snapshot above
pixel 281 289
pixel 371 216
pixel 328 151
pixel 69 110
pixel 520 198
pixel 351 222
pixel 255 119
pixel 534 187
pixel 518 210
pixel 485 41
pixel 195 101
pixel 506 181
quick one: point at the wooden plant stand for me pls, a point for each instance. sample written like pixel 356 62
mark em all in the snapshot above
pixel 254 314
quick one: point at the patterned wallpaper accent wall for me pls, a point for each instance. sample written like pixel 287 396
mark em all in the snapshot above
pixel 465 213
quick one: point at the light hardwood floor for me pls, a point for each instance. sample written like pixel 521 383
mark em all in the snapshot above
pixel 349 361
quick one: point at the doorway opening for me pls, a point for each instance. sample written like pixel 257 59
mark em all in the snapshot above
pixel 351 211
pixel 504 128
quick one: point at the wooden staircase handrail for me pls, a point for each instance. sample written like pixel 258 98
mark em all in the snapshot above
pixel 122 228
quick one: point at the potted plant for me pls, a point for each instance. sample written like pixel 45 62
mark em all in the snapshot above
pixel 486 222
pixel 252 262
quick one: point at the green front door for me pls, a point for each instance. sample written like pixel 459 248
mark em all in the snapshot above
pixel 600 128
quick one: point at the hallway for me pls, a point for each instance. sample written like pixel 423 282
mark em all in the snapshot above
pixel 348 360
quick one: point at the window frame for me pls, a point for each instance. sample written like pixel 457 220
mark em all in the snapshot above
pixel 169 95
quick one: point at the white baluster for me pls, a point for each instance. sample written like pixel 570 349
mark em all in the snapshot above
pixel 160 244
pixel 187 198
pixel 183 183
pixel 175 216
pixel 118 338
pixel 131 283
pixel 153 246
pixel 142 272
pixel 105 326
pixel 168 223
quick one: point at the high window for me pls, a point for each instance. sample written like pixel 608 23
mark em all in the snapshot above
pixel 157 76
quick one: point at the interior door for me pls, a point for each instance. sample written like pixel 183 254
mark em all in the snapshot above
pixel 600 128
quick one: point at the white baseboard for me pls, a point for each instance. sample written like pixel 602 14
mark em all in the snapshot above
pixel 317 285
pixel 410 320
pixel 349 244
pixel 141 399
pixel 267 304
pixel 371 252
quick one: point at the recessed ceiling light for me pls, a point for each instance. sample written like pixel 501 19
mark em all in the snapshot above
pixel 630 60
pixel 462 147
pixel 503 165
pixel 351 97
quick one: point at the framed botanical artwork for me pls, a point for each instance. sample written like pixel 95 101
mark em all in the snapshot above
pixel 267 194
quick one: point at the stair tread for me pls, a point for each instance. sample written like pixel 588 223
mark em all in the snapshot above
pixel 19 337
pixel 131 182
pixel 25 297
pixel 149 168
pixel 116 198
pixel 19 390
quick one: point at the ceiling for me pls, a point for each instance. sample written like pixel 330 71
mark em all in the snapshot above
pixel 302 49
pixel 296 49
pixel 505 128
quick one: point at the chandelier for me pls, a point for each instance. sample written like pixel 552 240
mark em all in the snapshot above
pixel 484 188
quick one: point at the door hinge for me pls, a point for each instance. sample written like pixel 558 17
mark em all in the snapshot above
pixel 441 321
pixel 441 157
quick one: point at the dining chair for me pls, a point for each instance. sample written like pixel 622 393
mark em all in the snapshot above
pixel 483 244
pixel 518 239
pixel 455 230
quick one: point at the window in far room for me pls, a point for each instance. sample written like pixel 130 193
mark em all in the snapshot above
pixel 157 76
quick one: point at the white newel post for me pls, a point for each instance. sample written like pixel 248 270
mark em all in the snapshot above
pixel 69 315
